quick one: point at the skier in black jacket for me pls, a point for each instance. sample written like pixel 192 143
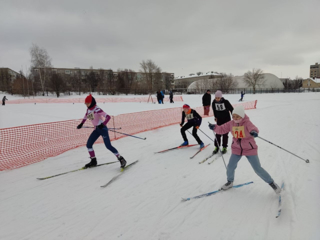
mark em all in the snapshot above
pixel 221 110
pixel 4 100
pixel 206 101
pixel 194 120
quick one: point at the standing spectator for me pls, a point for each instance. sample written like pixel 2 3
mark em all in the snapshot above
pixel 221 110
pixel 4 100
pixel 171 97
pixel 159 97
pixel 162 96
pixel 206 101
pixel 242 94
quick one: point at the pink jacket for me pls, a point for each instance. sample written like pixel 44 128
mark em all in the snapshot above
pixel 242 143
pixel 97 116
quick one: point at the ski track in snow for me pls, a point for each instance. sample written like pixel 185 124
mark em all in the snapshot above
pixel 145 201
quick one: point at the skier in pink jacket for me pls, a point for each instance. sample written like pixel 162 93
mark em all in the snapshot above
pixel 99 120
pixel 243 144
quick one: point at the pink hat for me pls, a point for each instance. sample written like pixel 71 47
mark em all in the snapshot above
pixel 218 94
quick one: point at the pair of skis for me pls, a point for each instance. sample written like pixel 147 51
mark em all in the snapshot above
pixel 99 165
pixel 180 147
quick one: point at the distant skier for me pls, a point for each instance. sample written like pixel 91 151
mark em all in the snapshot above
pixel 96 115
pixel 206 101
pixel 162 96
pixel 4 100
pixel 159 97
pixel 194 120
pixel 171 97
pixel 242 94
pixel 243 144
pixel 221 110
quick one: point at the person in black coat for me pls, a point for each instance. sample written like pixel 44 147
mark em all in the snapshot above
pixel 4 100
pixel 206 101
pixel 194 120
pixel 221 110
pixel 171 97
pixel 159 97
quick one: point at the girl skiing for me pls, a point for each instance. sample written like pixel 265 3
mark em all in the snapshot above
pixel 96 115
pixel 221 111
pixel 194 120
pixel 243 144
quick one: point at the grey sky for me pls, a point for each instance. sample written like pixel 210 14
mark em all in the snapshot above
pixel 183 37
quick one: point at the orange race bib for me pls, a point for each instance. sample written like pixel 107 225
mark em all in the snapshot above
pixel 238 132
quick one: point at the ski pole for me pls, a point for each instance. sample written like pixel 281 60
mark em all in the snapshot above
pixel 108 128
pixel 307 161
pixel 127 134
pixel 215 138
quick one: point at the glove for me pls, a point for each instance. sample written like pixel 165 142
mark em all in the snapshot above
pixel 100 126
pixel 181 125
pixel 197 127
pixel 254 134
pixel 80 126
pixel 215 119
pixel 212 126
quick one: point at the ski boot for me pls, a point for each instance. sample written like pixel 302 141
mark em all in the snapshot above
pixel 201 145
pixel 215 150
pixel 186 143
pixel 224 150
pixel 122 161
pixel 227 186
pixel 275 187
pixel 92 163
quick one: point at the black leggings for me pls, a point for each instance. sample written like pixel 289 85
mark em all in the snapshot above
pixel 194 132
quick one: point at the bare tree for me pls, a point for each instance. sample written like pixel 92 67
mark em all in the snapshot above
pixel 225 83
pixel 41 61
pixel 199 73
pixel 254 79
pixel 126 79
pixel 149 68
pixel 57 83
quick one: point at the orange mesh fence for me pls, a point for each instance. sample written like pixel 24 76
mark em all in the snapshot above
pixel 24 145
pixel 98 100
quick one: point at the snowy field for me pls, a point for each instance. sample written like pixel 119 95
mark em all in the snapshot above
pixel 145 202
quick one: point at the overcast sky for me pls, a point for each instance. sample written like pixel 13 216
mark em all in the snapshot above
pixel 180 36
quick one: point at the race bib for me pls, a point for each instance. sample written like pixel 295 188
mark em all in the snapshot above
pixel 90 116
pixel 189 116
pixel 238 132
pixel 220 107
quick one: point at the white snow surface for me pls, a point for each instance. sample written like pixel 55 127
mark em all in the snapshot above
pixel 145 202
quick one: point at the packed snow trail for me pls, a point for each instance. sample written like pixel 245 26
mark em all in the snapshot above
pixel 145 203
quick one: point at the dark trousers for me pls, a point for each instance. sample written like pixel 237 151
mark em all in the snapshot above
pixel 105 135
pixel 225 138
pixel 194 132
pixel 171 100
pixel 3 103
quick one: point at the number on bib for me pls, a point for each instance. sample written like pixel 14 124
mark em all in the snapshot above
pixel 238 132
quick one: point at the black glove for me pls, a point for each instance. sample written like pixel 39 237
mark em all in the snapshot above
pixel 212 126
pixel 254 134
pixel 80 126
pixel 100 126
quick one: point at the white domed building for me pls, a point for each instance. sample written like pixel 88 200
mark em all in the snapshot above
pixel 270 83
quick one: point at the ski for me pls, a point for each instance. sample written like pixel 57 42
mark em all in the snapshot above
pixel 199 151
pixel 211 193
pixel 207 158
pixel 169 149
pixel 280 201
pixel 122 171
pixel 217 156
pixel 83 168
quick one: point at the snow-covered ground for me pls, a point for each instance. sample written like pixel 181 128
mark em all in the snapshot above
pixel 145 202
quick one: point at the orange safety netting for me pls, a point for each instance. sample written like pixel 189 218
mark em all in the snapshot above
pixel 24 145
pixel 98 100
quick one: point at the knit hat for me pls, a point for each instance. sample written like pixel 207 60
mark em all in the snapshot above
pixel 186 106
pixel 88 99
pixel 218 94
pixel 239 110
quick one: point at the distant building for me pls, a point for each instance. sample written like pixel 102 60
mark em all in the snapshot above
pixel 13 74
pixel 315 71
pixel 184 82
pixel 311 83
pixel 270 82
